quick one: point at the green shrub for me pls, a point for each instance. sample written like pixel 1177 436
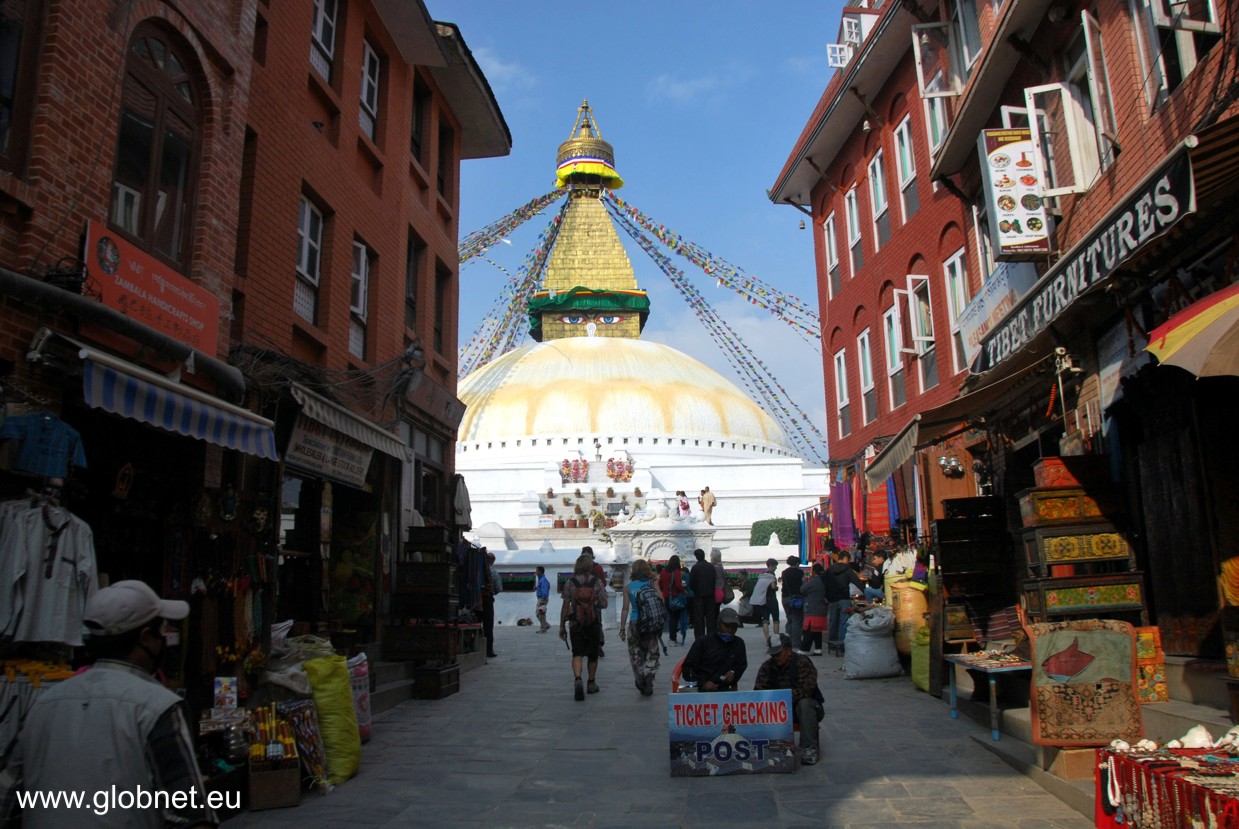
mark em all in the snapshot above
pixel 788 530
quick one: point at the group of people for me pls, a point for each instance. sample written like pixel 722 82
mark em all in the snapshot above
pixel 705 501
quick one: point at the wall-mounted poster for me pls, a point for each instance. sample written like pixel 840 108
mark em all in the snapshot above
pixel 1014 185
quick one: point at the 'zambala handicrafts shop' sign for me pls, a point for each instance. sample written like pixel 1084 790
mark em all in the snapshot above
pixel 1165 198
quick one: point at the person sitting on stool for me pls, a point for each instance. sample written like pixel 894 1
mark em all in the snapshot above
pixel 785 669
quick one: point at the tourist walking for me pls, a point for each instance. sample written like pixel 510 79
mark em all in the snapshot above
pixel 584 599
pixel 701 585
pixel 815 610
pixel 543 593
pixel 684 508
pixel 601 575
pixel 793 601
pixel 491 586
pixel 796 672
pixel 642 625
pixel 674 594
pixel 716 662
pixel 707 502
pixel 765 600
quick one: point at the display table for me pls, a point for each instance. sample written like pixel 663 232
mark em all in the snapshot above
pixel 1169 787
pixel 991 667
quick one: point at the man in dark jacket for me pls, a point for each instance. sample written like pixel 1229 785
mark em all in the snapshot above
pixel 701 581
pixel 716 662
pixel 786 669
pixel 793 601
pixel 839 577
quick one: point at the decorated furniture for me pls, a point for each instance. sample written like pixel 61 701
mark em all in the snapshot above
pixel 991 667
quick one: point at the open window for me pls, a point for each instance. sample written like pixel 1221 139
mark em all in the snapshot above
pixel 1173 38
pixel 1061 126
pixel 1095 85
pixel 892 337
pixel 937 70
pixel 917 301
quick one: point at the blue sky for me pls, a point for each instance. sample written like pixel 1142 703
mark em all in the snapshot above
pixel 702 103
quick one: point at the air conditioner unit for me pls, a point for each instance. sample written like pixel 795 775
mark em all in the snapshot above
pixel 838 55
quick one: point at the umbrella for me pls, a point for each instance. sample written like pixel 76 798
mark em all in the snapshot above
pixel 1202 338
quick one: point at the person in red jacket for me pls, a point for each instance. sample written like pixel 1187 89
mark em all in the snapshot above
pixel 671 588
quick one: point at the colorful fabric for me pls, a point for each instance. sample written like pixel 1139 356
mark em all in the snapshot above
pixel 841 519
pixel 1084 683
pixel 1151 666
pixel 877 510
pixel 46 444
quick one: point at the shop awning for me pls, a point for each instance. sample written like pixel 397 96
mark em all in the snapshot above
pixel 932 425
pixel 335 416
pixel 128 390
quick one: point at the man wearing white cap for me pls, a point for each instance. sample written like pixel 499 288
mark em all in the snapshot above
pixel 785 669
pixel 112 733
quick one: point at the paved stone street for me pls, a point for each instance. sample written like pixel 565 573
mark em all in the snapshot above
pixel 513 749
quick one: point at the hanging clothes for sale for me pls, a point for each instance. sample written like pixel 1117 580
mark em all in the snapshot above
pixel 47 572
pixel 841 520
pixel 877 511
pixel 46 444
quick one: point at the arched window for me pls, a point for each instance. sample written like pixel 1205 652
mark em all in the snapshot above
pixel 153 187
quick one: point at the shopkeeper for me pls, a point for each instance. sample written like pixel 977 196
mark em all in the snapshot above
pixel 113 728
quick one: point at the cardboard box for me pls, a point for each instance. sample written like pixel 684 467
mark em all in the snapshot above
pixel 1074 763
pixel 274 789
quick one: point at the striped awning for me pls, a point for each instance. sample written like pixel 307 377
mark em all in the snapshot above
pixel 122 388
pixel 335 416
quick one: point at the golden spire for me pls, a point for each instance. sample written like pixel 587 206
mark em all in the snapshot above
pixel 585 158
pixel 589 289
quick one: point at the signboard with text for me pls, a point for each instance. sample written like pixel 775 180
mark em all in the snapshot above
pixel 140 286
pixel 319 448
pixel 1005 286
pixel 1147 213
pixel 737 732
pixel 1013 185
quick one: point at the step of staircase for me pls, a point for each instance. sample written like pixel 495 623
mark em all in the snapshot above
pixel 391 683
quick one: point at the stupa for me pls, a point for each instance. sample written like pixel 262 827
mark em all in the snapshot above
pixel 590 424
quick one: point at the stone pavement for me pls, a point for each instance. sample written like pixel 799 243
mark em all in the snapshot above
pixel 513 749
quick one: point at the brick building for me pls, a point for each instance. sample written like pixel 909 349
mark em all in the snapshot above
pixel 228 270
pixel 1094 143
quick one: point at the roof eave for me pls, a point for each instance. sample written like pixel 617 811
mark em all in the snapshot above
pixel 484 132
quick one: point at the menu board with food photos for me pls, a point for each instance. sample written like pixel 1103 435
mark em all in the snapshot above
pixel 1013 179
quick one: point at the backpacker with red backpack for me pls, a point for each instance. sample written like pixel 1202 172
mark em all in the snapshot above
pixel 584 600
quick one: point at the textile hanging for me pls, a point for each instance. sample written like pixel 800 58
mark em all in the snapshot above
pixel 1084 683
pixel 877 510
pixel 892 502
pixel 841 520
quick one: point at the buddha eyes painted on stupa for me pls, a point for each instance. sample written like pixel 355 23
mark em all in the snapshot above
pixel 582 319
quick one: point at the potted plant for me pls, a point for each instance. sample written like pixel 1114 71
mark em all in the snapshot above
pixel 636 490
pixel 567 501
pixel 550 493
pixel 558 523
pixel 610 492
pixel 577 509
pixel 623 499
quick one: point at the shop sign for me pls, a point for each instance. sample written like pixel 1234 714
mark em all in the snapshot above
pixel 319 448
pixel 740 732
pixel 1147 213
pixel 141 287
pixel 1005 286
pixel 1014 183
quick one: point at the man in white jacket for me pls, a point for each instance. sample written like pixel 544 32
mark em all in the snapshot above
pixel 765 600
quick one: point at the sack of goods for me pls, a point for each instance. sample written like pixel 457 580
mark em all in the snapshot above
pixel 869 647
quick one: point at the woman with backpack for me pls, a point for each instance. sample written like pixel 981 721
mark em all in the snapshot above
pixel 644 616
pixel 671 587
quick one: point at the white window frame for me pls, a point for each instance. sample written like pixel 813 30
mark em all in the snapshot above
pixel 851 30
pixel 834 279
pixel 1104 120
pixel 985 242
pixel 1083 153
pixel 966 22
pixel 309 238
pixel 864 365
pixel 371 71
pixel 1153 18
pixel 892 335
pixel 855 238
pixel 838 55
pixel 905 167
pixel 935 51
pixel 359 281
pixel 955 283
pixel 843 413
pixel 936 125
pixel 878 201
pixel 323 32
